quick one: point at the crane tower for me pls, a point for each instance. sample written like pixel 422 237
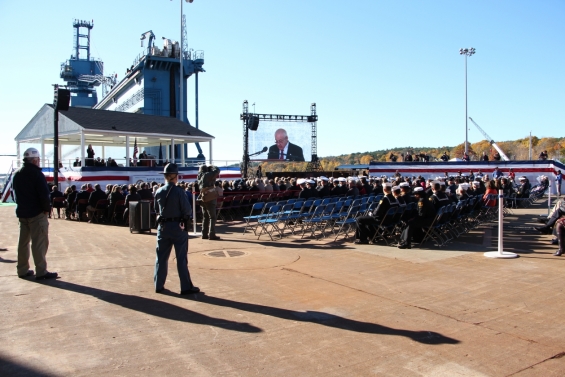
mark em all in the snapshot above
pixel 81 73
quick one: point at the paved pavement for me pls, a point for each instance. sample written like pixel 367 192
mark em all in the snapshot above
pixel 290 307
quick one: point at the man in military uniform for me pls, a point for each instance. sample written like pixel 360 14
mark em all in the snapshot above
pixel 438 198
pixel 406 192
pixel 32 199
pixel 207 181
pixel 426 214
pixel 323 189
pixel 173 207
pixel 366 224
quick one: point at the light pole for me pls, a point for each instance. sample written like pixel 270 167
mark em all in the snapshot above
pixel 181 96
pixel 466 52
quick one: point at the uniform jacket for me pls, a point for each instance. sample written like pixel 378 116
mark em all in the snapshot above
pixel 176 205
pixel 387 202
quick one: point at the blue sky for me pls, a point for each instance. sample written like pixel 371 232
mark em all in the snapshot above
pixel 383 73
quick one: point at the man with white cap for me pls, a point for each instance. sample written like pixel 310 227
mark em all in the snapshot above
pixel 33 207
pixel 524 189
pixel 323 189
pixel 304 191
pixel 339 189
pixel 405 192
pixel 366 224
pixel 438 198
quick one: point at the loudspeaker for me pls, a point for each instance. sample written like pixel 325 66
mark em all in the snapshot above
pixel 253 123
pixel 62 99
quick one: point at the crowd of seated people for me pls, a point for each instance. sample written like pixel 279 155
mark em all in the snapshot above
pixel 82 204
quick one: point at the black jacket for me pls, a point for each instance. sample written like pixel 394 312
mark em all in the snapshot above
pixel 32 193
pixel 146 194
pixel 294 153
pixel 95 196
pixel 387 202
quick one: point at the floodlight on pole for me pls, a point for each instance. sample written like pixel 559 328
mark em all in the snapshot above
pixel 181 96
pixel 466 52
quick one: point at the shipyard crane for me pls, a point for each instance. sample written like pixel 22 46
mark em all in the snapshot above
pixel 107 82
pixel 491 141
pixel 148 35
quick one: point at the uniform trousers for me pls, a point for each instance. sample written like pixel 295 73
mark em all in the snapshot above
pixel 366 227
pixel 413 228
pixel 34 230
pixel 168 235
pixel 560 225
pixel 209 218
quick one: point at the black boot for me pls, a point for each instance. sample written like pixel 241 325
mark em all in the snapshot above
pixel 558 253
pixel 542 229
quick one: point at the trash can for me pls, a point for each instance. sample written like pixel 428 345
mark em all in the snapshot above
pixel 140 217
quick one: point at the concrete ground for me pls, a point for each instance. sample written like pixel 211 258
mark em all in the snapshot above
pixel 290 307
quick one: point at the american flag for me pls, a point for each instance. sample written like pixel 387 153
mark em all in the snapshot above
pixel 135 150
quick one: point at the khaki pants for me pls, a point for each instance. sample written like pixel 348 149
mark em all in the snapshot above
pixel 36 231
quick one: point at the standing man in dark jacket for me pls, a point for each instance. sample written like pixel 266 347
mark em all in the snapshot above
pixel 207 182
pixel 32 199
pixel 173 208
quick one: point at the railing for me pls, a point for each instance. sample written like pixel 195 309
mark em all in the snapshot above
pixel 69 164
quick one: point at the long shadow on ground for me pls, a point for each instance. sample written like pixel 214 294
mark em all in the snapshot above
pixel 330 320
pixel 153 307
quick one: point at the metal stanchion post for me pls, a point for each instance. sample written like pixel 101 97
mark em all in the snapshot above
pixel 500 253
pixel 194 213
pixel 549 200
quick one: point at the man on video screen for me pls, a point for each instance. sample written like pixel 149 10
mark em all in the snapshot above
pixel 283 150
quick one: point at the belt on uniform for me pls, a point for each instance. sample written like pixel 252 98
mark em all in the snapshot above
pixel 172 219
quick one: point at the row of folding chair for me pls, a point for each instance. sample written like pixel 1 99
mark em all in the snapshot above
pixel 453 220
pixel 310 215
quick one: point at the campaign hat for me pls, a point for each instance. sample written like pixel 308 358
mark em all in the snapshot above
pixel 171 168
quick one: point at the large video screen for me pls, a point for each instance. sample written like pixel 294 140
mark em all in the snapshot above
pixel 285 141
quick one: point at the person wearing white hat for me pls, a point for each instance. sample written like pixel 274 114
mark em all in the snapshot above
pixel 323 189
pixel 406 192
pixel 524 189
pixel 305 190
pixel 396 192
pixel 340 188
pixel 462 192
pixel 33 207
pixel 438 198
pixel 366 224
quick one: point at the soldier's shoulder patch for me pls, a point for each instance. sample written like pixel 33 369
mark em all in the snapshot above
pixel 431 199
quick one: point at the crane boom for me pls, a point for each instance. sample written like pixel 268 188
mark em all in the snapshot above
pixel 491 141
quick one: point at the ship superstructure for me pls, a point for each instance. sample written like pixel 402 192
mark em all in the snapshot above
pixel 152 83
pixel 82 73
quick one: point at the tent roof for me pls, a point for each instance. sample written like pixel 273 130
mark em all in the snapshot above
pixel 103 127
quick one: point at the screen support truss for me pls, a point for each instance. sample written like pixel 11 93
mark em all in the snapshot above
pixel 314 163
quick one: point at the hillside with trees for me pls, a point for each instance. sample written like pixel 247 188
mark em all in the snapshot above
pixel 515 150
